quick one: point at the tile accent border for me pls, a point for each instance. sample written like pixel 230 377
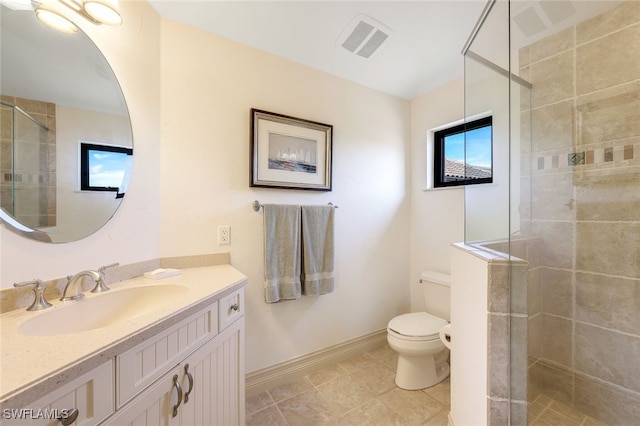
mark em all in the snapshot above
pixel 603 156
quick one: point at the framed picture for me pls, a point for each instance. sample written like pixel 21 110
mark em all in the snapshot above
pixel 289 152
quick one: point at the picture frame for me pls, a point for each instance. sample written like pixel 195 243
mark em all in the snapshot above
pixel 289 152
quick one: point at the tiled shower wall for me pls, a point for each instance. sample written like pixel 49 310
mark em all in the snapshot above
pixel 584 297
pixel 28 166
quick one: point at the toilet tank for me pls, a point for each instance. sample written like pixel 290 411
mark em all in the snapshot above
pixel 436 288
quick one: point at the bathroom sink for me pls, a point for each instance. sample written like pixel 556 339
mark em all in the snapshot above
pixel 102 310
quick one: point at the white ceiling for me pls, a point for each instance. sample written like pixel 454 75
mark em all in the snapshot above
pixel 423 51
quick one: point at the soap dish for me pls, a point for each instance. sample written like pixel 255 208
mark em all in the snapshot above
pixel 158 274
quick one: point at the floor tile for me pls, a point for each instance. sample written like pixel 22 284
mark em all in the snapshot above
pixel 359 391
pixel 345 393
pixel 325 374
pixel 258 402
pixel 269 416
pixel 307 408
pixel 288 390
pixel 413 406
pixel 374 412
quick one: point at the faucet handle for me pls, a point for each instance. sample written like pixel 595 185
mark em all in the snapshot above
pixel 39 302
pixel 102 268
pixel 100 285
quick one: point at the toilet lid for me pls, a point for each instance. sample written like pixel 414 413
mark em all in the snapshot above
pixel 417 324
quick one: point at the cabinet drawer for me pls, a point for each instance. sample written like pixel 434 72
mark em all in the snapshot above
pixel 154 407
pixel 231 307
pixel 141 365
pixel 91 394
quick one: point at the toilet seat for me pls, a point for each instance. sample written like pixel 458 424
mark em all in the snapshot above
pixel 416 326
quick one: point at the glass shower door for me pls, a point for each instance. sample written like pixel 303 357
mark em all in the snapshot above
pixel 565 76
pixel 26 154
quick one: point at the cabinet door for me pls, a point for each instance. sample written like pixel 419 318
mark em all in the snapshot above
pixel 216 373
pixel 154 407
pixel 143 364
pixel 211 382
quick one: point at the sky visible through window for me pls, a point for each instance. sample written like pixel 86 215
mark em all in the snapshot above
pixel 478 147
pixel 106 168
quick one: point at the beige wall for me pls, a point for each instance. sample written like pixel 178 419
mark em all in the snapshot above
pixel 437 215
pixel 75 125
pixel 189 96
pixel 209 85
pixel 584 302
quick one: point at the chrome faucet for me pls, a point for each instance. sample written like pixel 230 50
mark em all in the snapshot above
pixel 74 283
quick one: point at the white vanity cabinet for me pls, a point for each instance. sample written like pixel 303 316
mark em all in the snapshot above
pixel 190 374
pixel 187 353
pixel 91 395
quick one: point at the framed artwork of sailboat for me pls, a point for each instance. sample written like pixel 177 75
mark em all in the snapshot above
pixel 289 152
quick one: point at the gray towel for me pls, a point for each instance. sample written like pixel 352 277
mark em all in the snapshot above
pixel 282 252
pixel 317 249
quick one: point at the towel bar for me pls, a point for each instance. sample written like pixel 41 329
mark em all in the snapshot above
pixel 257 206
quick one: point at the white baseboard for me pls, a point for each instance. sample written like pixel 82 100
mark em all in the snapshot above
pixel 266 378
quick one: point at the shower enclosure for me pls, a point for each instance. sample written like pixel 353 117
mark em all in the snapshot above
pixel 27 162
pixel 561 80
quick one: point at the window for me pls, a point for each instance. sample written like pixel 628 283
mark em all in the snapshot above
pixel 463 154
pixel 103 167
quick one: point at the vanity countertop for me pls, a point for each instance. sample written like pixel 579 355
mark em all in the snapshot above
pixel 32 366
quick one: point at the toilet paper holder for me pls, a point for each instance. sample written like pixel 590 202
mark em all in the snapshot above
pixel 445 335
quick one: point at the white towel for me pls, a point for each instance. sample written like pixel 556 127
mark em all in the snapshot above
pixel 282 252
pixel 317 249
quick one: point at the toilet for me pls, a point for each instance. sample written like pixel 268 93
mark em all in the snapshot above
pixel 422 353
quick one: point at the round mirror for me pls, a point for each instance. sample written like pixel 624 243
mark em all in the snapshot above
pixel 67 146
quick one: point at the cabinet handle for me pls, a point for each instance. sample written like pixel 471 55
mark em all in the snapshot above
pixel 234 307
pixel 190 377
pixel 179 390
pixel 69 417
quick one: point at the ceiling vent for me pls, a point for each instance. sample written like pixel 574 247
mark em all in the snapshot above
pixel 534 17
pixel 364 36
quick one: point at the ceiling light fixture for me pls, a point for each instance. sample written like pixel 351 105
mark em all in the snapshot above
pixel 55 13
pixel 55 19
pixel 105 11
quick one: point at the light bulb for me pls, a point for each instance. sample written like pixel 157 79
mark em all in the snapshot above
pixel 105 11
pixel 54 19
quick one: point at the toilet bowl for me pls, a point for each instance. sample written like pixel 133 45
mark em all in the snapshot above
pixel 422 355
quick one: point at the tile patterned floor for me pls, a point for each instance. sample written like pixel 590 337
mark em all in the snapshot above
pixel 544 411
pixel 358 391
pixel 362 391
